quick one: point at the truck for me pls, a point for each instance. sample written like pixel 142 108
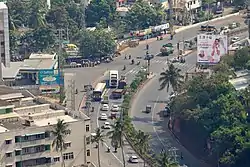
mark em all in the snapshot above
pixel 167 49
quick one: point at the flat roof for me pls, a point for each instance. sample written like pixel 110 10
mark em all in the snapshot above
pixel 4 103
pixel 4 90
pixel 3 5
pixel 9 115
pixel 240 83
pixel 42 56
pixel 12 71
pixel 53 120
pixel 38 64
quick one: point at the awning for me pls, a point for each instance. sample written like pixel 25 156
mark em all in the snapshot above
pixel 32 134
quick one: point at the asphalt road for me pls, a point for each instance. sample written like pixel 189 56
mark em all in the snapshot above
pixel 89 75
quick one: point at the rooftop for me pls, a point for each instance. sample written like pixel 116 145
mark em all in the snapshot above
pixel 4 103
pixel 5 90
pixel 3 5
pixel 42 56
pixel 53 120
pixel 38 64
pixel 12 71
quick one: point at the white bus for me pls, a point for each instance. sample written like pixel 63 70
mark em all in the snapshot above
pixel 113 79
pixel 99 91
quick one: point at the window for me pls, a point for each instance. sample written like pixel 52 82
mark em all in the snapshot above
pixel 87 128
pixel 68 156
pixel 67 132
pixel 8 141
pixel 18 152
pixel 87 140
pixel 67 144
pixel 47 147
pixel 56 159
pixel 88 152
pixel 17 139
pixel 47 134
pixel 9 154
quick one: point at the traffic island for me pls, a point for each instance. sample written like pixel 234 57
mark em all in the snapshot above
pixel 141 79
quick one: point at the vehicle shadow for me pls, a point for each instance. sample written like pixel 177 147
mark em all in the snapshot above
pixel 144 119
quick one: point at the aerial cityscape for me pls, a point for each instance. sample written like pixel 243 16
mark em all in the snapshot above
pixel 125 83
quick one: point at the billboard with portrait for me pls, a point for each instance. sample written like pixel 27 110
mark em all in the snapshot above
pixel 210 48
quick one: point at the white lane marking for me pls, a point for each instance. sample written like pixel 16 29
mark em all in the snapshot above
pixel 157 135
pixel 130 71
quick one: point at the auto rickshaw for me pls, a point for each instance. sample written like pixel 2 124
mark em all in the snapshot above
pixel 148 108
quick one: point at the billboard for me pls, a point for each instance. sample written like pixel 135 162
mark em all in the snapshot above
pixel 210 48
pixel 49 81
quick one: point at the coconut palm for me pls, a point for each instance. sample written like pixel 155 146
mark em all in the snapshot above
pixel 166 161
pixel 60 132
pixel 98 138
pixel 143 143
pixel 171 77
pixel 116 136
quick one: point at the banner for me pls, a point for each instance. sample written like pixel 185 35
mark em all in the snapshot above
pixel 210 48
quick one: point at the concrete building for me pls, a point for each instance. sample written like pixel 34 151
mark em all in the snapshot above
pixel 4 34
pixel 25 132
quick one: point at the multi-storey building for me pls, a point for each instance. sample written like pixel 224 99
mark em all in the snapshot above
pixel 26 134
pixel 4 35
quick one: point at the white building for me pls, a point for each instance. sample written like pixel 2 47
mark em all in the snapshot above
pixel 4 34
pixel 26 138
pixel 193 4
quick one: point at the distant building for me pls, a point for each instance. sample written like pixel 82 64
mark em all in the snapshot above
pixel 4 34
pixel 25 133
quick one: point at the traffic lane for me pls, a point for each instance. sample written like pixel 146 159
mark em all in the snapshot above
pixel 128 151
pixel 154 47
pixel 168 140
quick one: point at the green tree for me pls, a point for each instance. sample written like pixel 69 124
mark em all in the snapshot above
pixel 142 15
pixel 166 161
pixel 97 43
pixel 143 143
pixel 171 77
pixel 14 37
pixel 116 136
pixel 58 17
pixel 98 10
pixel 60 132
pixel 39 39
pixel 98 138
pixel 37 11
pixel 241 58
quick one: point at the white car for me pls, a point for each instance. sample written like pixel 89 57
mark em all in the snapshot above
pixel 133 159
pixel 105 107
pixel 235 39
pixel 103 116
pixel 115 108
pixel 106 125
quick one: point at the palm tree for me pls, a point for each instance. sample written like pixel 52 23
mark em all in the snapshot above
pixel 171 77
pixel 60 132
pixel 98 138
pixel 166 161
pixel 116 136
pixel 143 143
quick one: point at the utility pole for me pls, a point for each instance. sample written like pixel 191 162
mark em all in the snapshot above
pixel 60 71
pixel 1 69
pixel 88 89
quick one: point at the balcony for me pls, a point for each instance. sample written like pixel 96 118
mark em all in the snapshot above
pixel 37 162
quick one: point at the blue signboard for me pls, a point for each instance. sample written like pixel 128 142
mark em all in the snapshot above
pixel 49 77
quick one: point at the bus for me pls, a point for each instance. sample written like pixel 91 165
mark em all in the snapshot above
pixel 99 91
pixel 113 79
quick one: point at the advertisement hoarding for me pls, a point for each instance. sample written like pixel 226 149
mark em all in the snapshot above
pixel 49 80
pixel 210 48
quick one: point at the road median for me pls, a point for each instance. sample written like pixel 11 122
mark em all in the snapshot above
pixel 130 132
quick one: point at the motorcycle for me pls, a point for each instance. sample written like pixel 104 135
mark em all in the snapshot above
pixel 108 149
pixel 129 57
pixel 93 109
pixel 132 62
pixel 147 47
pixel 138 63
pixel 124 68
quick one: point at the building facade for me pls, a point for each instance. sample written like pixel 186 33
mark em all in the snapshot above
pixel 26 134
pixel 4 34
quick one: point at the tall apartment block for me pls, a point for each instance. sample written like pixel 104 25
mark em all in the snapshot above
pixel 4 35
